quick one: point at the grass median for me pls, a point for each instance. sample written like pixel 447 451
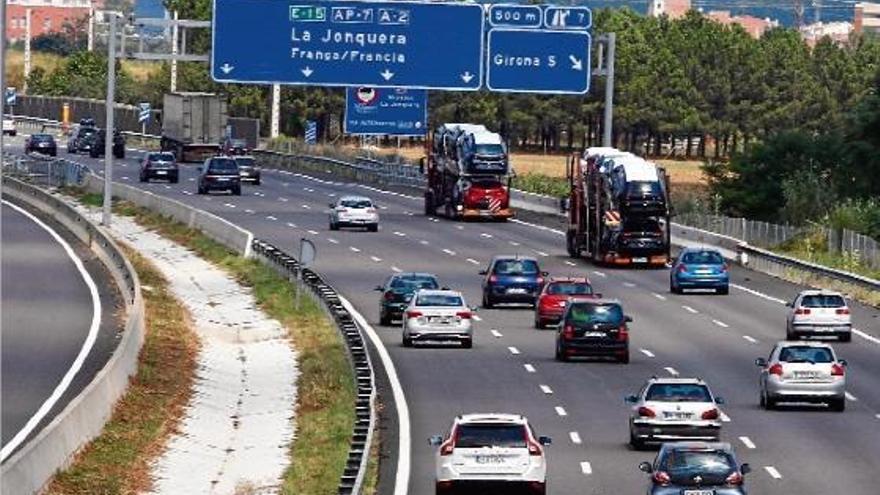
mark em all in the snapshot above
pixel 325 389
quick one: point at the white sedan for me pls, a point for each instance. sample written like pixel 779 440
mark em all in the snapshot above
pixel 354 211
pixel 9 126
pixel 438 315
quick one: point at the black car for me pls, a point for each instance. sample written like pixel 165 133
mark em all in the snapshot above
pixel 235 147
pixel 639 237
pixel 696 467
pixel 41 143
pixel 593 328
pixel 512 279
pixel 97 144
pixel 159 165
pixel 248 168
pixel 219 173
pixel 81 139
pixel 398 290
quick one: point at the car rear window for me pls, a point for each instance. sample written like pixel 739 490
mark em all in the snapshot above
pixel 245 162
pixel 443 300
pixel 161 157
pixel 823 301
pixel 678 392
pixel 641 225
pixel 490 435
pixel 680 463
pixel 703 258
pixel 589 314
pixel 356 203
pixel 222 165
pixel 86 131
pixel 569 288
pixel 805 354
pixel 414 283
pixel 516 267
pixel 643 188
pixel 42 138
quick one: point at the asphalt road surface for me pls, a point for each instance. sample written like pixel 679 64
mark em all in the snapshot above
pixel 580 404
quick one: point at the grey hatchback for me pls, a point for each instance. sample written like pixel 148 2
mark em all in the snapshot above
pixel 696 468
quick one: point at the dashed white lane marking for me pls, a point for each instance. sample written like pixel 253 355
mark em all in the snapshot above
pixel 270 217
pixel 399 234
pixel 570 263
pixel 672 371
pixel 575 437
pixel 409 213
pixel 332 240
pixel 747 442
pixel 561 411
pixel 531 369
pixel 850 397
pixel 291 225
pixel 354 249
pixel 725 418
pixel 383 207
pixel 513 350
pixel 773 472
pixel 187 193
pixel 376 259
pixel 473 261
pixel 395 269
pixel 485 235
pixel 546 389
pixel 513 243
pixel 476 318
pixel 720 323
pixel 192 179
pixel 647 353
pixel 660 296
pixel 283 200
pixel 167 187
pixel 877 416
pixel 313 232
pixel 449 252
pixel 750 339
pixel 307 207
pixel 459 227
pixel 542 253
pixel 600 274
pixel 424 242
pixel 248 211
pixel 689 309
pixel 629 284
pixel 124 177
pixel 332 195
pixel 586 468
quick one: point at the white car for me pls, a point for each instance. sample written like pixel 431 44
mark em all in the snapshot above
pixel 803 372
pixel 488 450
pixel 674 409
pixel 819 313
pixel 438 315
pixel 354 211
pixel 9 126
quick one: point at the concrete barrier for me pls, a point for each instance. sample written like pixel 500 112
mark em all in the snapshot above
pixel 28 470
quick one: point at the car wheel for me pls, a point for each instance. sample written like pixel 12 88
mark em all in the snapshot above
pixel 838 405
pixel 762 401
pixel 407 341
pixel 769 402
pixel 201 190
pixel 237 191
pixel 560 353
pixel 384 319
pixel 142 179
pixel 789 335
pixel 70 150
pixel 539 324
pixel 373 228
pixel 845 337
pixel 724 290
pixel 120 156
pixel 623 358
pixel 175 180
pixel 467 343
pixel 487 301
pixel 635 443
pixel 333 226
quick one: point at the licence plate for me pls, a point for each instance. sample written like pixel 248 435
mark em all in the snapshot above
pixel 703 272
pixel 161 172
pixel 223 179
pixel 595 334
pixel 699 492
pixel 677 415
pixel 640 260
pixel 489 459
pixel 516 290
pixel 806 375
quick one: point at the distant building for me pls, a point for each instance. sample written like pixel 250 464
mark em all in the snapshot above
pixel 755 26
pixel 47 16
pixel 839 32
pixel 671 8
pixel 867 18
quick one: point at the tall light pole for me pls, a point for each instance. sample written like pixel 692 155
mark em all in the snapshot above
pixel 108 130
pixel 27 48
pixel 174 34
pixel 609 91
pixel 276 110
pixel 91 30
pixel 2 72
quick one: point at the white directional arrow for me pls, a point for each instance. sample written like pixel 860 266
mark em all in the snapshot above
pixel 307 71
pixel 387 74
pixel 226 68
pixel 576 63
pixel 467 76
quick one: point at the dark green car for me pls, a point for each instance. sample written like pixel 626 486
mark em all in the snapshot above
pixel 397 292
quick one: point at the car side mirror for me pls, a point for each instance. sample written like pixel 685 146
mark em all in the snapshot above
pixel 745 468
pixel 788 305
pixel 331 205
pixel 842 362
pixel 545 440
pixel 473 309
pixel 646 467
pixel 761 362
pixel 630 399
pixel 719 400
pixel 435 440
pixel 484 272
pixel 628 319
pixel 545 274
pixel 379 288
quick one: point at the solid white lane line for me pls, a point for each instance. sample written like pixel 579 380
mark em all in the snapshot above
pixel 270 217
pixel 395 269
pixel 586 468
pixel 535 226
pixel 377 260
pixel 747 442
pixel 531 369
pixel 850 397
pixel 869 338
pixel 513 243
pixel 600 274
pixel 759 294
pixel 750 339
pixel 660 296
pixel 546 389
pixel 84 351
pixel 672 371
pixel 354 249
pixel 487 236
pixel 720 323
pixel 476 317
pixel 561 411
pixel 473 261
pixel 399 234
pixel 313 232
pixel 725 418
pixel 773 472
pixel 690 309
pixel 570 263
pixel 332 240
pixel 513 350
pixel 575 437
pixel 647 353
pixel 629 284
pixel 496 334
pixel 449 252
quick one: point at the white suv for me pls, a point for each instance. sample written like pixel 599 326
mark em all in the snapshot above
pixel 819 313
pixel 485 451
pixel 354 211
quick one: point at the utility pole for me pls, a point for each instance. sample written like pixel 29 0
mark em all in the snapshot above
pixel 174 34
pixel 799 14
pixel 108 131
pixel 611 39
pixel 91 43
pixel 2 74
pixel 276 111
pixel 817 11
pixel 27 48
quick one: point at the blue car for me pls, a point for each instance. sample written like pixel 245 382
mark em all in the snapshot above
pixel 512 279
pixel 699 268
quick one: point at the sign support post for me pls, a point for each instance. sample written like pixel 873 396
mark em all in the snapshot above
pixel 108 131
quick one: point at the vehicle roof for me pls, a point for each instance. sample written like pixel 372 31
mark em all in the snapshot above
pixel 597 302
pixel 574 280
pixel 819 292
pixel 695 249
pixel 243 156
pixel 604 151
pixel 804 343
pixel 454 126
pixel 725 446
pixel 440 292
pixel 513 257
pixel 492 418
pixel 636 168
pixel 413 274
pixel 668 379
pixel 355 198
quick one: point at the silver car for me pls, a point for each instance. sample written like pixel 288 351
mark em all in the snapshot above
pixel 802 372
pixel 674 409
pixel 354 211
pixel 438 315
pixel 819 313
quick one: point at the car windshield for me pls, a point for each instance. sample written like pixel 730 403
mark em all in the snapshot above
pixel 569 288
pixel 161 157
pixel 681 463
pixel 490 435
pixel 489 149
pixel 703 258
pixel 245 162
pixel 87 131
pixel 356 203
pixel 805 354
pixel 222 165
pixel 823 301
pixel 643 188
pixel 443 300
pixel 678 392
pixel 589 314
pixel 414 282
pixel 516 267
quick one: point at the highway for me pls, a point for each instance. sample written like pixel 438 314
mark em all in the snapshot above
pixel 58 321
pixel 580 404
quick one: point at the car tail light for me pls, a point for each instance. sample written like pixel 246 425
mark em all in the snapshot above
pixel 837 370
pixel 682 268
pixel 661 478
pixel 842 311
pixel 413 314
pixel 568 332
pixel 622 333
pixel 647 412
pixel 371 210
pixel 710 414
pixel 735 478
pixel 802 311
pixel 464 315
pixel 493 278
pixel 447 447
pixel 776 369
pixel 540 280
pixel 725 268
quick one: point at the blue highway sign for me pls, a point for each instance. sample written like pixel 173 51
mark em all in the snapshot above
pixel 578 18
pixel 10 96
pixel 348 43
pixel 535 61
pixel 524 16
pixel 379 111
pixel 311 135
pixel 144 112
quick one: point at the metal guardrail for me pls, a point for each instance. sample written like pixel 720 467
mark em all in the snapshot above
pixel 779 265
pixel 351 481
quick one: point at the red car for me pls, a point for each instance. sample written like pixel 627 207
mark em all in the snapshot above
pixel 555 294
